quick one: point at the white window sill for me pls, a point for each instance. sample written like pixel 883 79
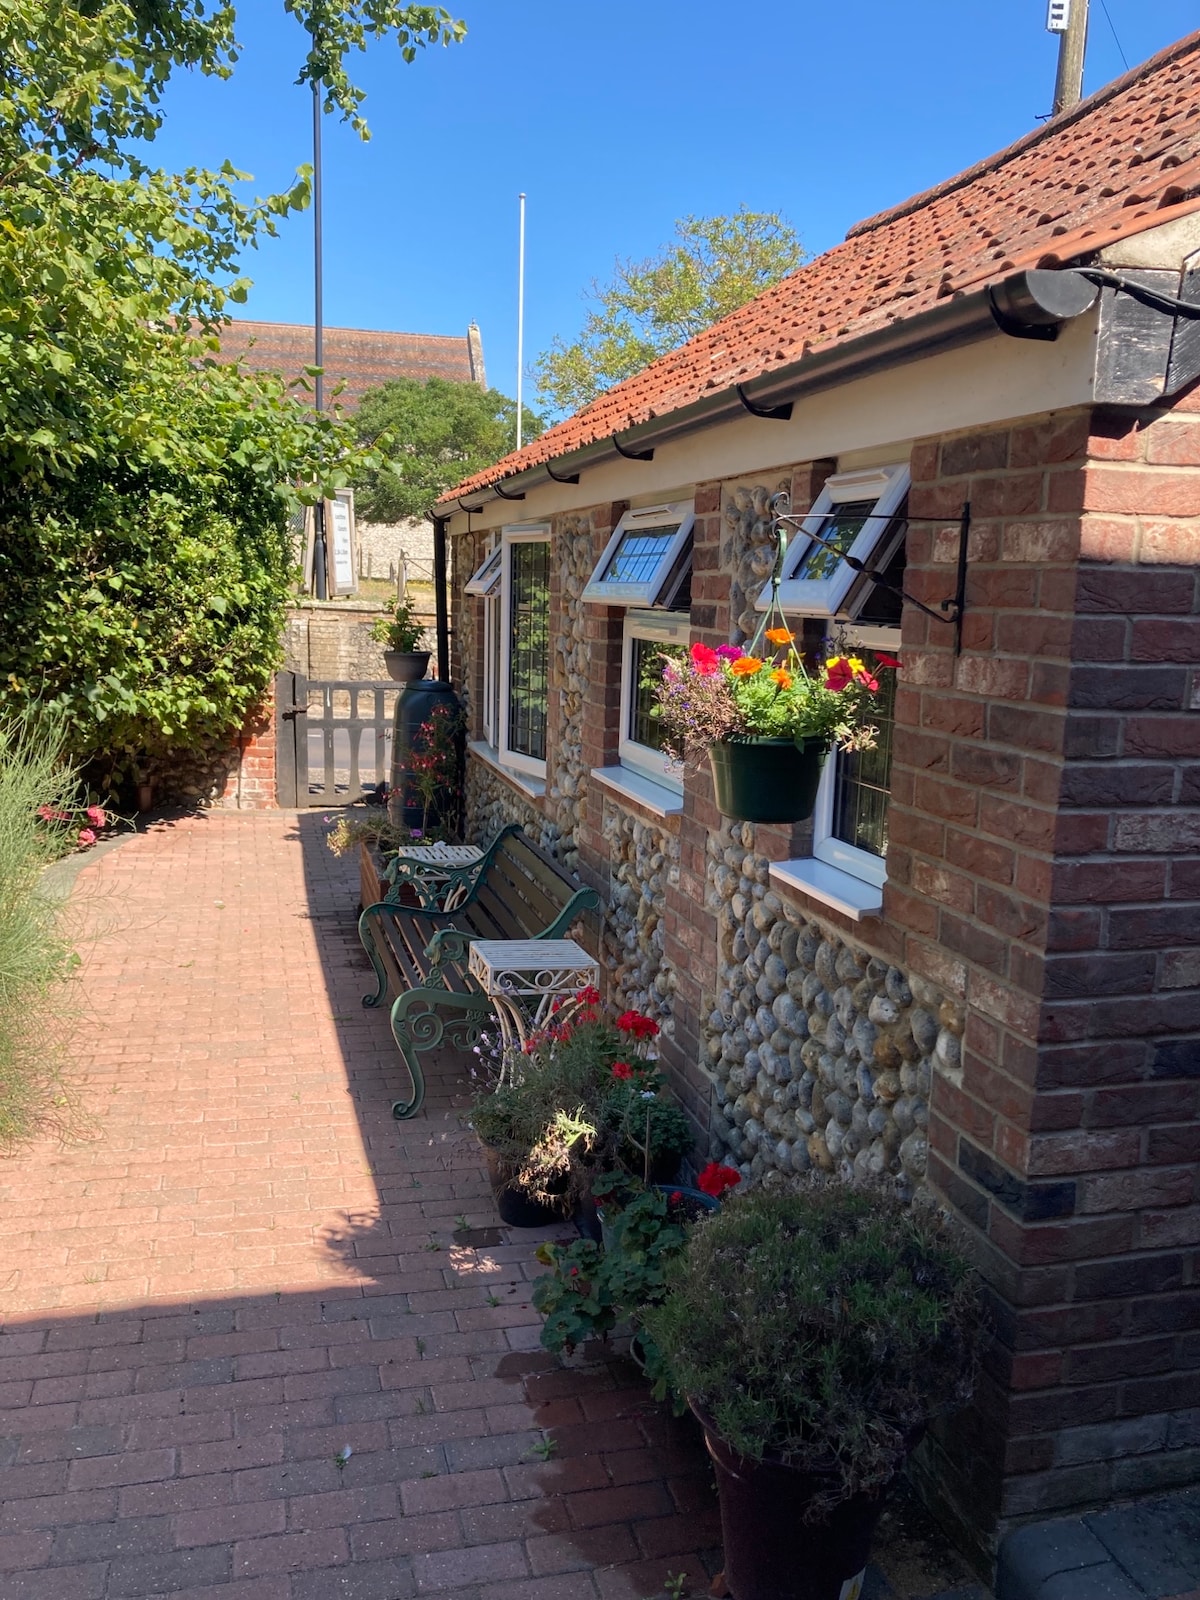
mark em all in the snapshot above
pixel 630 785
pixel 533 786
pixel 851 896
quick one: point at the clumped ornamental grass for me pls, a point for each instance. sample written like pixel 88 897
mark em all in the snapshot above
pixel 35 957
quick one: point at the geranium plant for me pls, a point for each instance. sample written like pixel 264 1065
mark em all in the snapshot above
pixel 766 691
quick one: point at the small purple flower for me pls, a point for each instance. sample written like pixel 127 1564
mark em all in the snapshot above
pixel 728 652
pixel 415 833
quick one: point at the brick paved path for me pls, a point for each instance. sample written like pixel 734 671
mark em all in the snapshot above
pixel 250 1266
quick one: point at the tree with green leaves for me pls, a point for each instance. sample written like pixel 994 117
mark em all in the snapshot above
pixel 427 436
pixel 146 490
pixel 713 266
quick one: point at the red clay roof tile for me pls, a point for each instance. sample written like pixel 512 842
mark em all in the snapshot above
pixel 357 358
pixel 1122 161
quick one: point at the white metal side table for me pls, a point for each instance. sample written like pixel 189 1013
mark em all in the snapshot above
pixel 524 977
pixel 440 874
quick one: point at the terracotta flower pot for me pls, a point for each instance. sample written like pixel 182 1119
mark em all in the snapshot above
pixel 767 780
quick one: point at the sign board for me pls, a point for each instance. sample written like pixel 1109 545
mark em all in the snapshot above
pixel 341 543
pixel 1058 16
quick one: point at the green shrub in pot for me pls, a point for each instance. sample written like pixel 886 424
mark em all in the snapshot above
pixel 814 1332
pixel 822 1326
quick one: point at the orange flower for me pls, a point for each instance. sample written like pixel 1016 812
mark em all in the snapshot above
pixel 745 666
pixel 782 677
pixel 778 636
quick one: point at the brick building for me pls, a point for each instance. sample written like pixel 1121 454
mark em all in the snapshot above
pixel 978 967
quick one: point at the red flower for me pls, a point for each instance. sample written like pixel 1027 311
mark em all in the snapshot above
pixel 715 1179
pixel 705 660
pixel 574 1272
pixel 622 1069
pixel 588 996
pixel 885 661
pixel 675 1197
pixel 635 1023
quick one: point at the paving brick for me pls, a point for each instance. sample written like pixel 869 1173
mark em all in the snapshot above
pixel 453 1569
pixel 82 1582
pixel 450 1490
pixel 365 1580
pixel 166 1574
pixel 218 1524
pixel 290 1552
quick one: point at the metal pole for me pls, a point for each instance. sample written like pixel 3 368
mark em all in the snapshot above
pixel 441 599
pixel 320 552
pixel 1072 46
pixel 520 314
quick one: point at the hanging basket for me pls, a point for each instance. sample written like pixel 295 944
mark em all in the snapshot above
pixel 767 780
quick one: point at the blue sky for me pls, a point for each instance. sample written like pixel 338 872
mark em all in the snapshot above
pixel 616 117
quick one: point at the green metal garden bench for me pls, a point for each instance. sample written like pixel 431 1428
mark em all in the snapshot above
pixel 515 892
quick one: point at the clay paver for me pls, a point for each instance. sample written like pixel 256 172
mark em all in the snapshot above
pixel 244 1266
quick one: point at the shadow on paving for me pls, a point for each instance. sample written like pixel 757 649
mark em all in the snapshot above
pixel 255 1346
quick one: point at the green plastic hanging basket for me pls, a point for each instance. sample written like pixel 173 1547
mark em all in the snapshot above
pixel 767 780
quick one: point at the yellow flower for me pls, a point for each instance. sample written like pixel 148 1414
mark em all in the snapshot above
pixel 778 636
pixel 745 666
pixel 782 677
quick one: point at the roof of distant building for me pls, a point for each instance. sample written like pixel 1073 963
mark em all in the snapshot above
pixel 356 359
pixel 1122 161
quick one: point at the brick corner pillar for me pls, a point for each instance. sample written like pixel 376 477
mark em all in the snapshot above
pixel 1061 753
pixel 250 784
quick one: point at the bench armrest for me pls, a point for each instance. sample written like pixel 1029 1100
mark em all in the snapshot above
pixel 448 945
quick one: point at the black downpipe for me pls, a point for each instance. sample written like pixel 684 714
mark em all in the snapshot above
pixel 441 599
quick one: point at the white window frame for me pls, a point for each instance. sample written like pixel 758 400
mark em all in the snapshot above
pixel 824 597
pixel 516 533
pixel 848 858
pixel 484 581
pixel 601 591
pixel 662 627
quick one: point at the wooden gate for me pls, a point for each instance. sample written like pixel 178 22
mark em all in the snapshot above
pixel 333 738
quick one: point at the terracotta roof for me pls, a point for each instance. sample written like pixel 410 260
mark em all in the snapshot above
pixel 358 357
pixel 1121 161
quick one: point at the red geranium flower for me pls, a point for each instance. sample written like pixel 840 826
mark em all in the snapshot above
pixel 705 660
pixel 639 1026
pixel 622 1069
pixel 715 1179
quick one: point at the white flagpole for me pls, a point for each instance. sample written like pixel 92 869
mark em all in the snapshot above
pixel 520 314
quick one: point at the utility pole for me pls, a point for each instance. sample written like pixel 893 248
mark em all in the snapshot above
pixel 320 551
pixel 1069 19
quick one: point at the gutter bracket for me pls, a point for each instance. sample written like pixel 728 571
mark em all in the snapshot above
pixel 471 511
pixel 779 413
pixel 570 477
pixel 507 494
pixel 631 455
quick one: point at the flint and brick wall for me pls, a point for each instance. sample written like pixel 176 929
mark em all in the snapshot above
pixel 1041 919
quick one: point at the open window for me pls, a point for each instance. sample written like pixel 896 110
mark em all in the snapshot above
pixel 646 560
pixel 856 515
pixel 485 580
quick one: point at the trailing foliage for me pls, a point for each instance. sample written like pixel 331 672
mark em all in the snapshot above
pixel 821 1327
pixel 35 957
pixel 427 437
pixel 145 492
pixel 713 266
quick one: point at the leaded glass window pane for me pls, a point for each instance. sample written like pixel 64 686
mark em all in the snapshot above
pixel 529 647
pixel 636 558
pixel 839 529
pixel 864 777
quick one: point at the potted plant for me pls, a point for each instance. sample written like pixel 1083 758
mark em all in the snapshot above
pixel 401 633
pixel 814 1332
pixel 765 721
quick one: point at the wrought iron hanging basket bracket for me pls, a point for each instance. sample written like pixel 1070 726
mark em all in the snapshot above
pixel 949 611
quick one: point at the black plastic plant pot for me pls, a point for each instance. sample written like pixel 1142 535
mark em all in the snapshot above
pixel 771 1552
pixel 767 780
pixel 517 1208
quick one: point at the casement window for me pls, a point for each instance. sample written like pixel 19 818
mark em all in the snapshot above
pixel 648 637
pixel 855 515
pixel 850 823
pixel 863 515
pixel 514 582
pixel 646 559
